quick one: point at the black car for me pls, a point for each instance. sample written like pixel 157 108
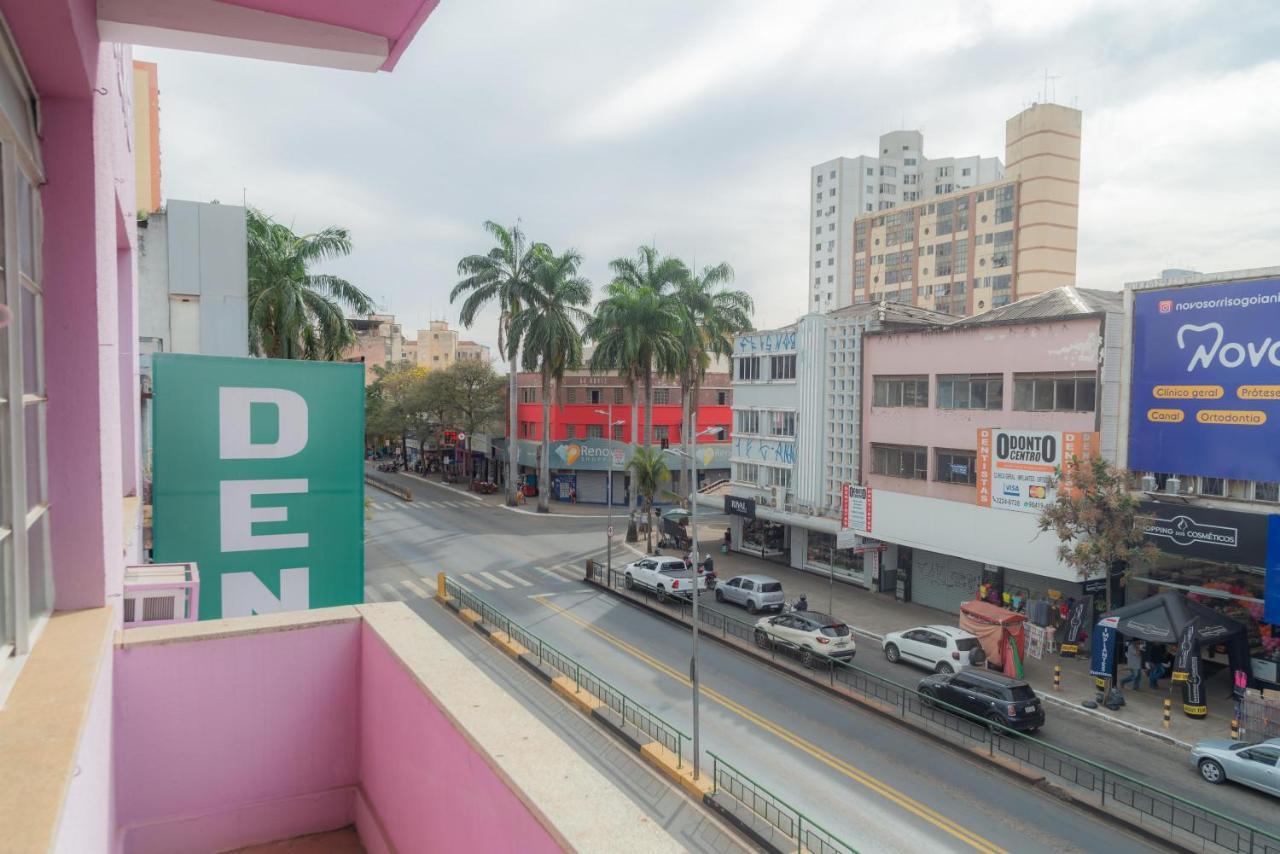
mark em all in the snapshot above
pixel 987 694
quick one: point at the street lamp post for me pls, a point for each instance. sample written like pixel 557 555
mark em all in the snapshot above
pixel 609 493
pixel 693 525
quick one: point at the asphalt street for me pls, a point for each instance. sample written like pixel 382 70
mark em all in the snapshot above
pixel 870 781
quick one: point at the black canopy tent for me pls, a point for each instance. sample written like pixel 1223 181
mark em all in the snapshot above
pixel 1163 618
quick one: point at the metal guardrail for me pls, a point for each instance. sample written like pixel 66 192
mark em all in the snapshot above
pixel 387 486
pixel 795 825
pixel 626 708
pixel 1114 791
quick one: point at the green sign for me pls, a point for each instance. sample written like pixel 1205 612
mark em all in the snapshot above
pixel 259 479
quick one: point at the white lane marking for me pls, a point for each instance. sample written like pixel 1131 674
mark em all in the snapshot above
pixel 546 572
pixel 506 573
pixel 391 589
pixel 371 595
pixel 498 581
pixel 430 582
pixel 478 582
pixel 417 591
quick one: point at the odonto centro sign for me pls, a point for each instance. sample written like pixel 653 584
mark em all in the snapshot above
pixel 258 478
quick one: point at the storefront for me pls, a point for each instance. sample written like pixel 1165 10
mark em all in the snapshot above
pixel 580 469
pixel 853 564
pixel 941 581
pixel 1218 559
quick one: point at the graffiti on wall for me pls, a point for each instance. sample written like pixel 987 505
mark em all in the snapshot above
pixel 765 451
pixel 767 342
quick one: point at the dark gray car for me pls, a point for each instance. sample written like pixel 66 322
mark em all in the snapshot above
pixel 754 592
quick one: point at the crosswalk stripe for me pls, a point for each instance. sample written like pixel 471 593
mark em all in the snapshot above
pixel 417 591
pixel 546 572
pixel 498 581
pixel 371 595
pixel 478 582
pixel 394 593
pixel 506 573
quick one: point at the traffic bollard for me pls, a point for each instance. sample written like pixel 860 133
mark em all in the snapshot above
pixel 1168 709
pixel 1057 677
pixel 1235 729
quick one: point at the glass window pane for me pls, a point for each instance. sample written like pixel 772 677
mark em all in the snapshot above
pixel 1022 395
pixel 33 414
pixel 944 394
pixel 39 573
pixel 995 394
pixel 26 257
pixel 1086 391
pixel 1044 395
pixel 1066 398
pixel 30 312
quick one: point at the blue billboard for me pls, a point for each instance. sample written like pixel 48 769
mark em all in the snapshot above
pixel 1205 394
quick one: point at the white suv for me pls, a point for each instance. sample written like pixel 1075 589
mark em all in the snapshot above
pixel 809 634
pixel 942 649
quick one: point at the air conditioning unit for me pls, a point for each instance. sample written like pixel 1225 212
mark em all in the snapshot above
pixel 1148 483
pixel 780 497
pixel 161 593
pixel 1173 485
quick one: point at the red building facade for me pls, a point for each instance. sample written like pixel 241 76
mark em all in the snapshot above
pixel 574 413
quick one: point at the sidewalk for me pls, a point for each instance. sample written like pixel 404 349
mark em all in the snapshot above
pixel 873 614
pixel 530 505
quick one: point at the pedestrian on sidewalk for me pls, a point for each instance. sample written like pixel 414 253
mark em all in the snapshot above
pixel 1159 661
pixel 1133 662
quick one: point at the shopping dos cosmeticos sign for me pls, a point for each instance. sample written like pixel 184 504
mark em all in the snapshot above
pixel 1205 394
pixel 258 478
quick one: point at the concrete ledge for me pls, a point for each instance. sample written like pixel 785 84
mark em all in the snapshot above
pixel 509 646
pixel 531 663
pixel 612 721
pixel 207 630
pixel 680 774
pixel 749 824
pixel 470 616
pixel 584 700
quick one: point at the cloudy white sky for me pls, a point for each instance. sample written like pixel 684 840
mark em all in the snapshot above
pixel 603 125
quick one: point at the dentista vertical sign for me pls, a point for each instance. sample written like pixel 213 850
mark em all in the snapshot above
pixel 258 479
pixel 1205 395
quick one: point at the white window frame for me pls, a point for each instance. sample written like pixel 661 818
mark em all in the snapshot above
pixel 20 168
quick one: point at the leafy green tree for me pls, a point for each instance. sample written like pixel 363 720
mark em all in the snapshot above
pixel 293 312
pixel 551 343
pixel 1095 518
pixel 478 397
pixel 710 316
pixel 503 276
pixel 617 335
pixel 402 408
pixel 650 475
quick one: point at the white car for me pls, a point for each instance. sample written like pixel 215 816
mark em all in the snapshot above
pixel 810 634
pixel 665 576
pixel 942 649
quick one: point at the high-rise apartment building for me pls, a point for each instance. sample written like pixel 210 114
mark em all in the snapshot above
pixel 968 249
pixel 848 187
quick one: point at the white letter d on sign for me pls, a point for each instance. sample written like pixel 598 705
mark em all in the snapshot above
pixel 234 440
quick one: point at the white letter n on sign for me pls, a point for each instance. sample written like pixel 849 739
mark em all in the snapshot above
pixel 244 594
pixel 234 439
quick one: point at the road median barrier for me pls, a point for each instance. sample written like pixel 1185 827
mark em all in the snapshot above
pixel 388 487
pixel 1100 790
pixel 658 742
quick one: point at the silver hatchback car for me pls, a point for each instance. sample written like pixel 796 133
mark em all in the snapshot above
pixel 754 592
pixel 1253 764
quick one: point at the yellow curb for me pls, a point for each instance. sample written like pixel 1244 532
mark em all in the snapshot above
pixel 512 648
pixel 469 615
pixel 584 700
pixel 444 599
pixel 665 761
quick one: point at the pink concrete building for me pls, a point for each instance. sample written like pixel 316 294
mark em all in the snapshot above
pixel 1044 371
pixel 202 736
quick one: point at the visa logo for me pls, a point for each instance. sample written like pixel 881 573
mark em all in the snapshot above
pixel 1012 489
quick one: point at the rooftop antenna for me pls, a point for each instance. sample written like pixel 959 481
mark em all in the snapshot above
pixel 1049 80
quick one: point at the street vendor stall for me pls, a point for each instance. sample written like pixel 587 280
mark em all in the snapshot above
pixel 1001 633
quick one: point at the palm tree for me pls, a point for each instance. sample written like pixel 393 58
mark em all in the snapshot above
pixel 642 289
pixel 294 313
pixel 547 327
pixel 501 275
pixel 710 318
pixel 615 328
pixel 649 472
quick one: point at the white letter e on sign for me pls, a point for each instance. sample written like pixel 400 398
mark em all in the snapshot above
pixel 234 440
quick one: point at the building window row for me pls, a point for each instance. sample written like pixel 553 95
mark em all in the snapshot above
pixel 905 461
pixel 1058 392
pixel 901 391
pixel 1070 391
pixel 971 391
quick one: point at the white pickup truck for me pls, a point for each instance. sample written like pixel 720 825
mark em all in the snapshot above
pixel 665 576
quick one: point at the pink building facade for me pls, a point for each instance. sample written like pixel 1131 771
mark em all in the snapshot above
pixel 201 737
pixel 1048 366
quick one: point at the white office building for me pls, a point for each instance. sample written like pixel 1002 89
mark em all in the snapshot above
pixel 843 188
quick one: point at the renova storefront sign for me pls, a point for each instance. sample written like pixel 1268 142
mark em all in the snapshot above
pixel 1205 393
pixel 1016 468
pixel 258 478
pixel 602 454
